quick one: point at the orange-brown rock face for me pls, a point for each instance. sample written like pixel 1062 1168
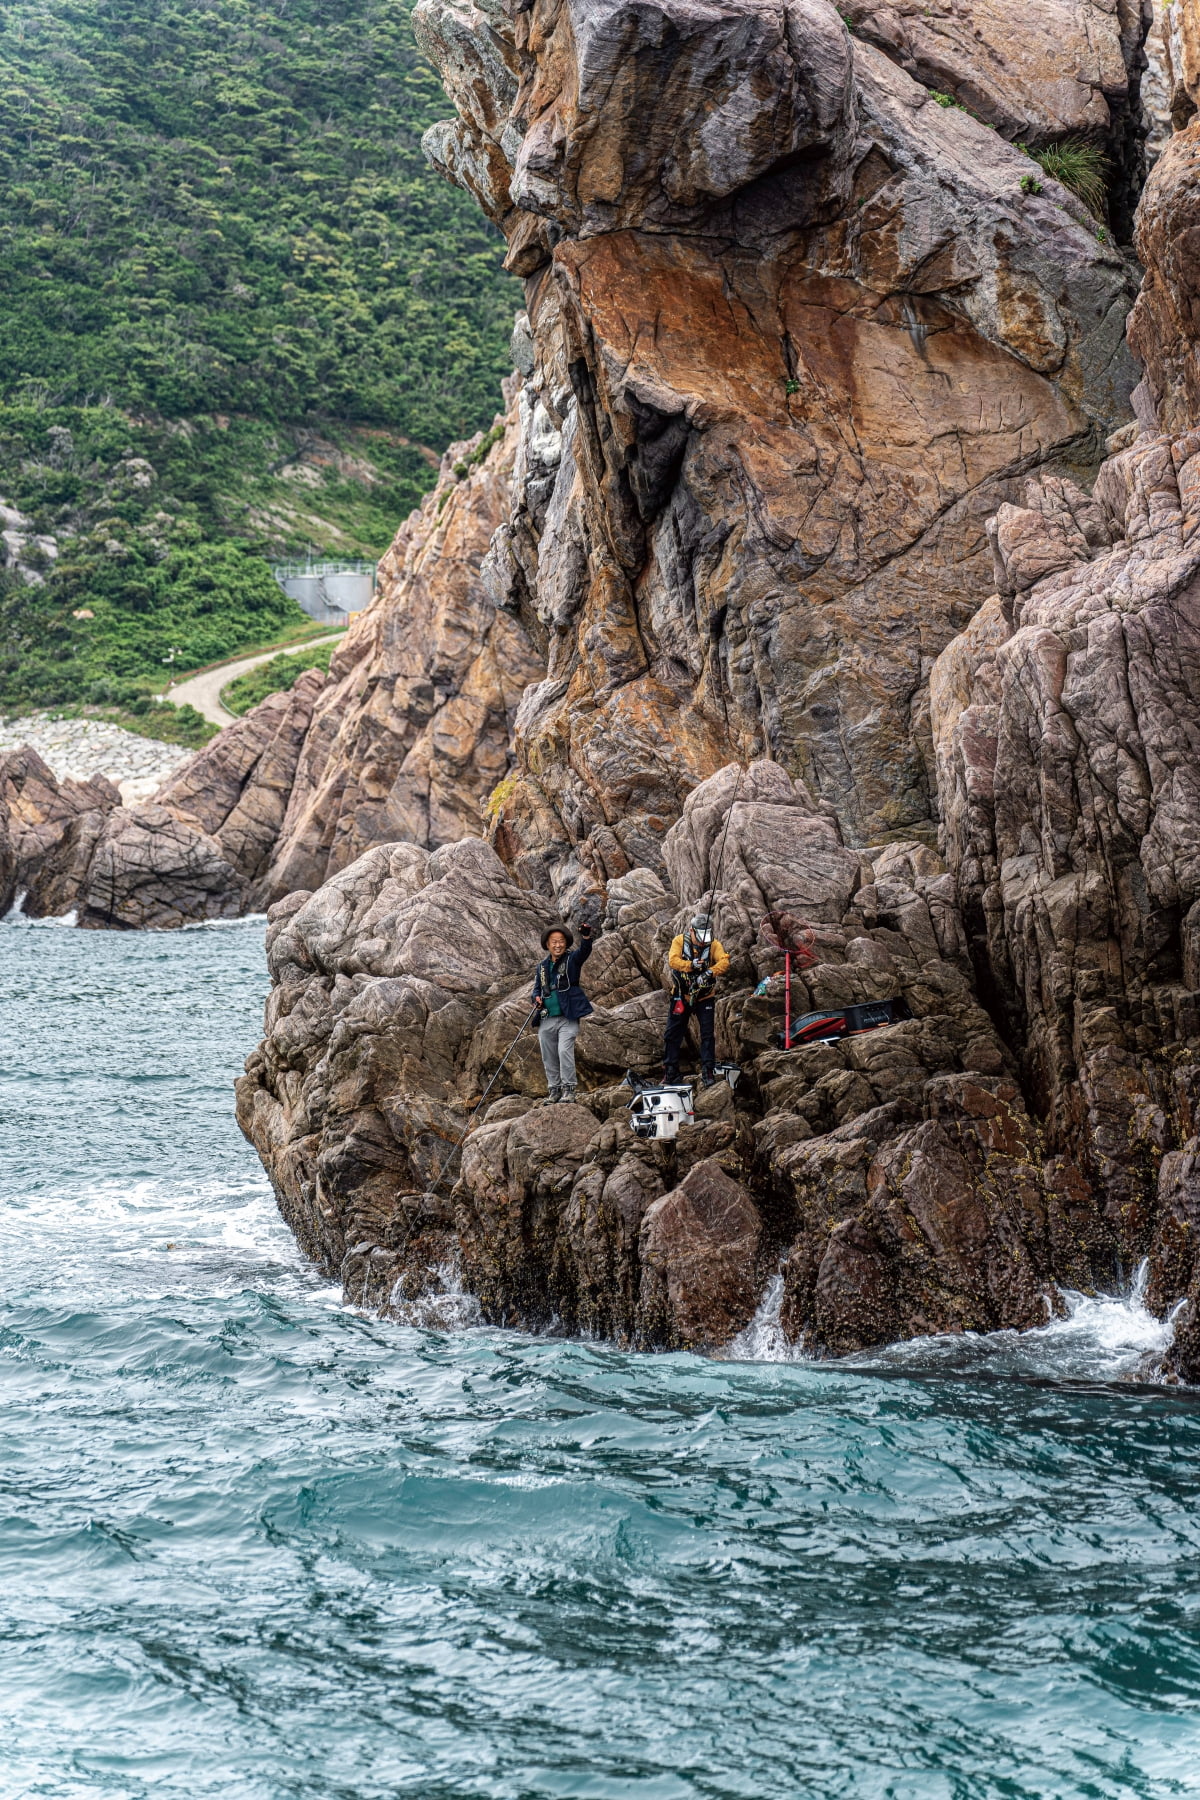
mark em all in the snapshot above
pixel 1164 328
pixel 797 331
pixel 412 731
pixel 1180 29
pixel 807 360
pixel 405 739
pixel 1065 69
pixel 1067 724
pixel 1039 74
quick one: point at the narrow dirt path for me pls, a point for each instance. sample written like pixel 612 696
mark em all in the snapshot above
pixel 203 691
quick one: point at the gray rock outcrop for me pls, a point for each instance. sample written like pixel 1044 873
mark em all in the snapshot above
pixel 797 330
pixel 898 1177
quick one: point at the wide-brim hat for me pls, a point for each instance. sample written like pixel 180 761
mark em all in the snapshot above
pixel 551 929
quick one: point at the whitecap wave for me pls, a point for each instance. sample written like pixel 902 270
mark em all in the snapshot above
pixel 1098 1337
pixel 238 924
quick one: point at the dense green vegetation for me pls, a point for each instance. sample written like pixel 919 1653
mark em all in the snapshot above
pixel 150 718
pixel 274 677
pixel 238 315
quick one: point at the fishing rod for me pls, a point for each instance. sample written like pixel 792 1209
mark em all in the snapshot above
pixel 796 940
pixel 430 1192
pixel 524 1026
pixel 720 865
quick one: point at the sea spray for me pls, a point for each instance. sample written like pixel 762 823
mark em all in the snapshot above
pixel 763 1339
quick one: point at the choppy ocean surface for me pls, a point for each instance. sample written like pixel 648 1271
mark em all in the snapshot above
pixel 254 1546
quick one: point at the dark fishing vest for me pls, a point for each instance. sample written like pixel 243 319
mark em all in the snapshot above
pixel 562 979
pixel 696 984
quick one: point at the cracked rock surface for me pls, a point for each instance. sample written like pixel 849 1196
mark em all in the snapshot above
pixel 898 1177
pixel 795 333
pixel 810 477
pixel 819 568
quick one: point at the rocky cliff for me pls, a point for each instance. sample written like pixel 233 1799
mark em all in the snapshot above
pixel 798 330
pixel 815 361
pixel 821 567
pixel 406 738
pixel 1067 720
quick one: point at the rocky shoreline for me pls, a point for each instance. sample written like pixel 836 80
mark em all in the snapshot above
pixel 843 512
pixel 897 1179
pixel 978 800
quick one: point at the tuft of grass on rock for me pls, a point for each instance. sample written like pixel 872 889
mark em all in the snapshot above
pixel 480 453
pixel 1079 167
pixel 499 797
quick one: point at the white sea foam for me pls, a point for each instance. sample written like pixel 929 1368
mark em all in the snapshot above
pixel 1118 1326
pixel 763 1340
pixel 444 1306
pixel 100 1239
pixel 238 924
pixel 1106 1337
pixel 15 915
pixel 1098 1337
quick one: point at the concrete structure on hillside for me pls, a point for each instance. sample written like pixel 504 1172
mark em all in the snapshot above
pixel 329 592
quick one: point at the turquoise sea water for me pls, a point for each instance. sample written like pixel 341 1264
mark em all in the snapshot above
pixel 252 1545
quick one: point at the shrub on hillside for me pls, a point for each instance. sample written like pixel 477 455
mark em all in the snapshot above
pixel 273 677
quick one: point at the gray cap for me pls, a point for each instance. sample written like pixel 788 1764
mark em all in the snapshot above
pixel 702 923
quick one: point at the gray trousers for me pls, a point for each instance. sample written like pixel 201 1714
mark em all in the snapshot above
pixel 556 1040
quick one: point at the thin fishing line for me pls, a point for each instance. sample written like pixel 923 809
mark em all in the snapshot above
pixel 487 1090
pixel 430 1192
pixel 714 889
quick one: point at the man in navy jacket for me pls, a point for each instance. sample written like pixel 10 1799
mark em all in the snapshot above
pixel 561 1003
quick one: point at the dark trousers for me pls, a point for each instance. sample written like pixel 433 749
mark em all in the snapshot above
pixel 677 1023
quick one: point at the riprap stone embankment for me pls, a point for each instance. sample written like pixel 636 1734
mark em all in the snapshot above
pixel 77 749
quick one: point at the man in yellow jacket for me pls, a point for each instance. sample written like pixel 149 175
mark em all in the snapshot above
pixel 697 962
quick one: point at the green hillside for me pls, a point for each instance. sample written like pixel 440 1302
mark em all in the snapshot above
pixel 239 318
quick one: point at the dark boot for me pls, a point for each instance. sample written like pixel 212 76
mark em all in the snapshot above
pixel 708 1077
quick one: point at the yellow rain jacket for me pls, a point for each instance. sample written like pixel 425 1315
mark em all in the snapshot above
pixel 682 963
